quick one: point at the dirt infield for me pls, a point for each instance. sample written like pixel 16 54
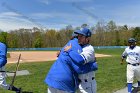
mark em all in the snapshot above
pixel 37 56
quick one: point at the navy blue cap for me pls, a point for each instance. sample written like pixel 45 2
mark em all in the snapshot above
pixel 131 40
pixel 83 31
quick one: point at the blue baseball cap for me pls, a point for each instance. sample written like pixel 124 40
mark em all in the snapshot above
pixel 83 31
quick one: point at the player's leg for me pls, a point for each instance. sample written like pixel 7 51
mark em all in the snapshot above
pixel 130 77
pixel 87 86
pixel 13 88
pixel 137 74
pixel 54 90
pixel 84 87
pixel 3 83
pixel 6 86
pixel 94 86
pixel 51 90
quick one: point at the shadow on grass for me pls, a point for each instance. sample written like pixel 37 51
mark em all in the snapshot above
pixel 26 92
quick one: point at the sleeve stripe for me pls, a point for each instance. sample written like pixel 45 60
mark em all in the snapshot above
pixel 84 58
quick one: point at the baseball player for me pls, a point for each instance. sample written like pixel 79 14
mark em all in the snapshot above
pixel 132 55
pixel 87 81
pixel 63 75
pixel 3 61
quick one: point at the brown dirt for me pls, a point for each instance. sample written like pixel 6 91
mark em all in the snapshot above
pixel 37 56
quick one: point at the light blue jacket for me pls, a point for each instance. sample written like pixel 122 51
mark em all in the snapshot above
pixel 64 72
pixel 3 53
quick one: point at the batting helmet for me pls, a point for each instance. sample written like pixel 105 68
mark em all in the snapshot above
pixel 131 40
pixel 83 31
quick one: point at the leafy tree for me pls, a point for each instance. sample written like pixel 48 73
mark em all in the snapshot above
pixel 38 43
pixel 3 37
pixel 136 34
pixel 117 38
pixel 105 34
pixel 12 39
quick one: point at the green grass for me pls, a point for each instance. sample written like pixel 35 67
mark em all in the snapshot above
pixel 33 82
pixel 110 75
pixel 117 51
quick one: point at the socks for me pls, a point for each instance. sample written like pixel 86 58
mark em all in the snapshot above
pixel 129 85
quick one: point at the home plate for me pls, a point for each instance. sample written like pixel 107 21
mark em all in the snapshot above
pixel 19 73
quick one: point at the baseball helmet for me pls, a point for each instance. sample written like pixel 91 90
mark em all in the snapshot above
pixel 84 31
pixel 131 40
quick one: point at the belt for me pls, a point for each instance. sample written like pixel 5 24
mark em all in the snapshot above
pixel 136 64
pixel 86 80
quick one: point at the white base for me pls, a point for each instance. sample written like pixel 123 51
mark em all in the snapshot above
pixel 19 73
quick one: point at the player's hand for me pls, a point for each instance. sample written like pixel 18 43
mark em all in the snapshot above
pixel 121 63
pixel 58 53
pixel 67 47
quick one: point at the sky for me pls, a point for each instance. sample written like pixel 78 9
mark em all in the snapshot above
pixel 57 14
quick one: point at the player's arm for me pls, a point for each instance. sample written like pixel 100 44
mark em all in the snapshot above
pixel 122 61
pixel 124 55
pixel 86 56
pixel 83 69
pixel 58 53
pixel 74 55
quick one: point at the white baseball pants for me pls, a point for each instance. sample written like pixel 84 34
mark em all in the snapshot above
pixel 3 83
pixel 87 87
pixel 133 72
pixel 54 90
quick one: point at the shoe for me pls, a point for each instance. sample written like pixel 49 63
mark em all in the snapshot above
pixel 138 88
pixel 19 90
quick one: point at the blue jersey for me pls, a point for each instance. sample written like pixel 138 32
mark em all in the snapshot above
pixel 64 72
pixel 3 53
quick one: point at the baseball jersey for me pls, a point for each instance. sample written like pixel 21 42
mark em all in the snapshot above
pixel 133 55
pixel 89 56
pixel 88 53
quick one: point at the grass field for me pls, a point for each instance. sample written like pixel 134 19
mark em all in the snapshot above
pixel 110 75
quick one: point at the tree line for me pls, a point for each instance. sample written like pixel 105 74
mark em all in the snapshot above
pixel 103 34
